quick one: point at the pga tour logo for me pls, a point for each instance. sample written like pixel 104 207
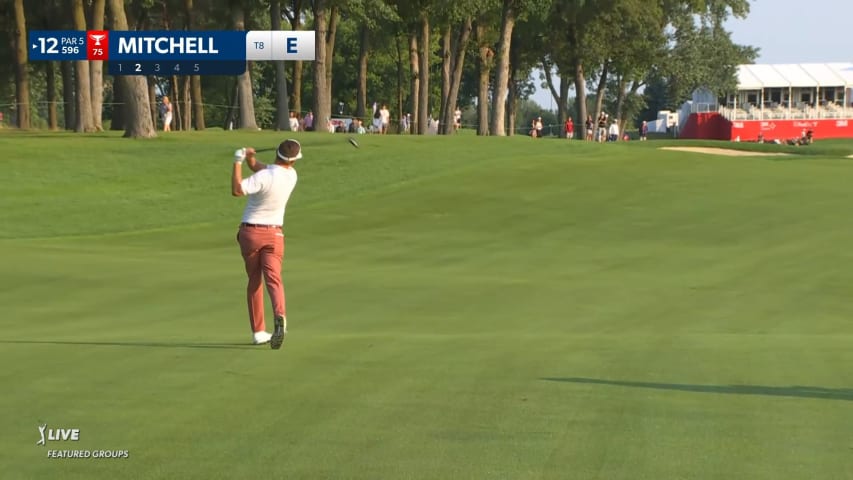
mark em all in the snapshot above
pixel 57 434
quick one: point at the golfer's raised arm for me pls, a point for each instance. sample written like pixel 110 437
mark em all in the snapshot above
pixel 237 173
pixel 252 162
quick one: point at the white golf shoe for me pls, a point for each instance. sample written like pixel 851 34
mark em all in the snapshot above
pixel 260 338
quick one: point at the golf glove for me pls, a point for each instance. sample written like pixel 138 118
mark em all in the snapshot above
pixel 240 155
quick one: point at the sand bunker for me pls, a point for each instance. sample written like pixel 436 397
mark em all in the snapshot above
pixel 725 151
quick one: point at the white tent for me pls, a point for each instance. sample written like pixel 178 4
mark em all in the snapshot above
pixel 809 78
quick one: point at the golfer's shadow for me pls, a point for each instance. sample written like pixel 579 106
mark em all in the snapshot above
pixel 796 391
pixel 178 344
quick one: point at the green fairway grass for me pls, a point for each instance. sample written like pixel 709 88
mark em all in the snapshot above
pixel 458 308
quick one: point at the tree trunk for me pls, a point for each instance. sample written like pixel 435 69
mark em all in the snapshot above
pixel 563 104
pixel 457 63
pixel 22 76
pixel 400 61
pixel 177 111
pixel 245 98
pixel 511 101
pixel 502 74
pixel 331 31
pixel 580 99
pixel 198 105
pixel 512 85
pixel 600 89
pixel 484 66
pixel 282 109
pixel 117 120
pixel 620 99
pixel 296 85
pixel 322 96
pixel 295 18
pixel 446 59
pixel 423 88
pixel 361 83
pixel 85 119
pixel 97 70
pixel 151 84
pixel 186 104
pixel 230 120
pixel 69 110
pixel 50 79
pixel 134 91
pixel 547 70
pixel 415 80
pixel 193 97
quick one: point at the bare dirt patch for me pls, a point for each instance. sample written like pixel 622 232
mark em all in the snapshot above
pixel 725 151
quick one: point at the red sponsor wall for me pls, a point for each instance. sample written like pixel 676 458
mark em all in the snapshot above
pixel 748 130
pixel 706 125
pixel 713 126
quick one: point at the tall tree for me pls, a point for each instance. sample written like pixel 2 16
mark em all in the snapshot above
pixel 97 69
pixel 485 61
pixel 414 82
pixel 322 95
pixel 423 70
pixel 50 79
pixel 282 107
pixel 22 79
pixel 245 98
pixel 508 19
pixel 195 80
pixel 85 119
pixel 294 16
pixel 66 70
pixel 454 46
pixel 138 123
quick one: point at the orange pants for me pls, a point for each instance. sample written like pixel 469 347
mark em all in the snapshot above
pixel 263 251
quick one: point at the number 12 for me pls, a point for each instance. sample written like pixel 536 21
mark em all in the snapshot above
pixel 51 49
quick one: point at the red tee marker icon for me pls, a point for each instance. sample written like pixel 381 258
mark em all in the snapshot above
pixel 97 44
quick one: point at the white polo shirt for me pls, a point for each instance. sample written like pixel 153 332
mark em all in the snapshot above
pixel 268 191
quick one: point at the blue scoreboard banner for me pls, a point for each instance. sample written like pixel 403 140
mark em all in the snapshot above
pixel 172 52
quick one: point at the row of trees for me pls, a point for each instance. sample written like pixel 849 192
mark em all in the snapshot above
pixel 424 57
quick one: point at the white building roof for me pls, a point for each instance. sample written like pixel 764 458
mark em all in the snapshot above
pixel 746 80
pixel 796 75
pixel 845 70
pixel 758 76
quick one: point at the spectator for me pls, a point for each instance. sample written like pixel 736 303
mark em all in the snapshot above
pixel 570 128
pixel 294 122
pixel 385 119
pixel 457 119
pixel 309 121
pixel 602 127
pixel 166 113
pixel 614 132
pixel 538 126
pixel 644 130
pixel 589 126
pixel 404 123
pixel 377 121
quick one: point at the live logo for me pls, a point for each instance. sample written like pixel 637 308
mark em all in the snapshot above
pixel 97 44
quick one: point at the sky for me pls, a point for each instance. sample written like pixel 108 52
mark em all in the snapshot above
pixel 785 31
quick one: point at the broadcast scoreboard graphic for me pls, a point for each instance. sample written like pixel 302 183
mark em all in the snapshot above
pixel 172 52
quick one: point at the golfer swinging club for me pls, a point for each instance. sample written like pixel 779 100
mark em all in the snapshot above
pixel 261 237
